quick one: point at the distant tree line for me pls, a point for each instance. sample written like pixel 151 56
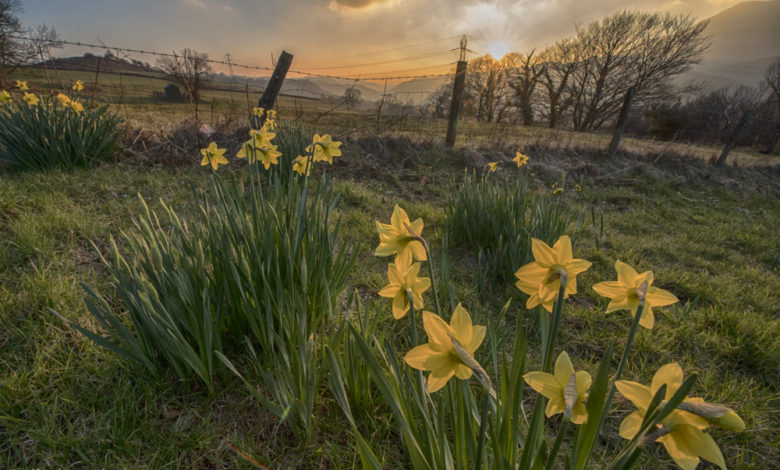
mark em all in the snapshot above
pixel 580 83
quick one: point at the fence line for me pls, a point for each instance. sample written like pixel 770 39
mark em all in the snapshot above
pixel 250 66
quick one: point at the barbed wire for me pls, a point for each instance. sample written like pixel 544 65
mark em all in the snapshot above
pixel 244 66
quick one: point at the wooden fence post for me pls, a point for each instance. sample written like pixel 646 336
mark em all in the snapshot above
pixel 455 104
pixel 268 99
pixel 746 116
pixel 621 122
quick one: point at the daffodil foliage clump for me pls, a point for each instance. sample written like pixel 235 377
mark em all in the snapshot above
pixel 256 273
pixel 495 216
pixel 459 396
pixel 58 131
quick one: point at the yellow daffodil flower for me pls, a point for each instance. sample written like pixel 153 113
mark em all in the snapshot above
pixel 78 86
pixel 76 106
pixel 301 165
pixel 268 155
pixel 271 114
pixel 557 191
pixel 22 85
pixel 213 155
pixel 261 138
pixel 439 355
pixel 63 99
pixel 493 166
pixel 5 97
pixel 258 112
pixel 324 148
pixel 394 238
pixel 31 99
pixel 681 431
pixel 404 278
pixel 565 389
pixel 520 159
pixel 623 293
pixel 541 278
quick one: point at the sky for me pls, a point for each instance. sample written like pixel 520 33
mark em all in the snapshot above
pixel 340 37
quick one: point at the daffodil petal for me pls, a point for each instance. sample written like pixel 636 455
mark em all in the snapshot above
pixel 461 324
pixel 637 393
pixel 555 405
pixel 543 254
pixel 563 369
pixel 609 289
pixel 436 328
pixel 659 297
pixel 477 335
pixel 670 375
pixel 625 274
pixel 630 425
pixel 543 383
pixel 437 381
pixel 416 356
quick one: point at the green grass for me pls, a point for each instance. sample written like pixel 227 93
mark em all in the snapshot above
pixel 707 233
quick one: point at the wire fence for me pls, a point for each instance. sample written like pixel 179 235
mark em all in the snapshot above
pixel 310 94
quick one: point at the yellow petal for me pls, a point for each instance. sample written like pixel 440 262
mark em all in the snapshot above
pixel 400 305
pixel 544 384
pixel 625 273
pixel 630 425
pixel 462 371
pixel 577 266
pixel 554 406
pixel 610 289
pixel 681 456
pixel 659 297
pixel 436 329
pixel 543 254
pixel 699 443
pixel 648 319
pixel 461 325
pixel 563 369
pixel 530 277
pixel 637 393
pixel 670 375
pixel 579 414
pixel 437 381
pixel 477 335
pixel 562 249
pixel 583 383
pixel 417 356
pixel 418 250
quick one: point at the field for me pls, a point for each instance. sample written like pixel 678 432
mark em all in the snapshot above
pixel 706 232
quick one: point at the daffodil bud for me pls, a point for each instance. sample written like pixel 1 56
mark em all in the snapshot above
pixel 715 414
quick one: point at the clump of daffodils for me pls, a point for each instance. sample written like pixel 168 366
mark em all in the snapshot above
pixel 260 148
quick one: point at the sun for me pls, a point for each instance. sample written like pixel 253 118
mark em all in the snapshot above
pixel 498 49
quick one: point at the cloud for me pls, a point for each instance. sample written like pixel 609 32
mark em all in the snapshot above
pixel 354 3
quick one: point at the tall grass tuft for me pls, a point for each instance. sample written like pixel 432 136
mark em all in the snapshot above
pixel 48 135
pixel 257 265
pixel 496 218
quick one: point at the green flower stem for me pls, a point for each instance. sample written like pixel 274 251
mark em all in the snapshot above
pixel 431 270
pixel 411 317
pixel 557 445
pixel 556 321
pixel 623 360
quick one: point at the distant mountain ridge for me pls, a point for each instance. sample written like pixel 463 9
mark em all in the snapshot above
pixel 745 41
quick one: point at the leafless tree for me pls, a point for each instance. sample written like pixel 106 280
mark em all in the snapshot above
pixel 189 68
pixel 20 45
pixel 523 73
pixel 560 60
pixel 630 49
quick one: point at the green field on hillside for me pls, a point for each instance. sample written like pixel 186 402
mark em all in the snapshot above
pixel 706 233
